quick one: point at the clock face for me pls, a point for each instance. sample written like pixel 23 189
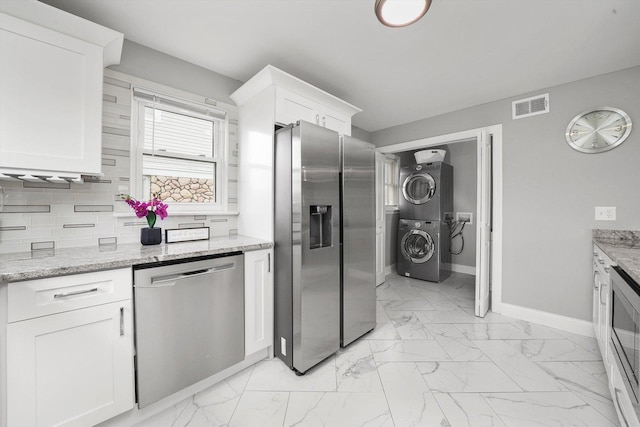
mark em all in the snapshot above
pixel 598 130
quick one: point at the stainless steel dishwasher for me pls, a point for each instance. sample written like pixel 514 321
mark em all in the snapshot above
pixel 189 323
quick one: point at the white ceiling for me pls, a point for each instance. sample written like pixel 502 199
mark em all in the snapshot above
pixel 462 53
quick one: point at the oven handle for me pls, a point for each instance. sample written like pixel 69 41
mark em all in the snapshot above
pixel 595 282
pixel 624 418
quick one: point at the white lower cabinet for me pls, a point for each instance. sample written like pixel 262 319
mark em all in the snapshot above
pixel 258 300
pixel 601 301
pixel 74 367
pixel 621 400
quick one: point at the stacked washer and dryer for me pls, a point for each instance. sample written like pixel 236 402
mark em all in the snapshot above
pixel 426 210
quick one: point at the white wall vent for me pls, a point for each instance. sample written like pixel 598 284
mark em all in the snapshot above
pixel 528 107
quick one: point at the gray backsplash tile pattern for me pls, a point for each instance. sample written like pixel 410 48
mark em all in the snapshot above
pixel 45 216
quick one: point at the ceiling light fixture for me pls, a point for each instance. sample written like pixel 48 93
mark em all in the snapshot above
pixel 400 13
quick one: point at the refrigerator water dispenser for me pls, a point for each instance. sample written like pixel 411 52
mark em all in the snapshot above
pixel 320 226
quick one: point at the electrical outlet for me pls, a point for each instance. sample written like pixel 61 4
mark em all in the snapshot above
pixel 465 217
pixel 607 213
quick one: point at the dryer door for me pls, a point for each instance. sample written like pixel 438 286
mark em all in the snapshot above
pixel 418 188
pixel 417 246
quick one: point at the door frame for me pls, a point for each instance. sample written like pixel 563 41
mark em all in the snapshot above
pixel 496 203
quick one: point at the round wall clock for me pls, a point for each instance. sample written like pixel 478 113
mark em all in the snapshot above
pixel 598 130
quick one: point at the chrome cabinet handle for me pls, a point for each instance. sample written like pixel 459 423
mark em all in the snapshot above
pixel 324 121
pixel 602 285
pixel 606 269
pixel 626 423
pixel 595 254
pixel 595 281
pixel 71 294
pixel 600 260
pixel 171 280
pixel 121 321
pixel 317 119
pixel 269 262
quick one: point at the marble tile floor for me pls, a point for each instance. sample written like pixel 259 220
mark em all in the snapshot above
pixel 429 362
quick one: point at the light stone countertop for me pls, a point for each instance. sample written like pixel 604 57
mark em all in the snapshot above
pixel 623 247
pixel 46 263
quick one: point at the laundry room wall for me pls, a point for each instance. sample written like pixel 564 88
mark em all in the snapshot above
pixel 549 189
pixel 462 156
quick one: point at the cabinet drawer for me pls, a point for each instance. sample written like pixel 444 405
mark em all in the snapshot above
pixel 41 297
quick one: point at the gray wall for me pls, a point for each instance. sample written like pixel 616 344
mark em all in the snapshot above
pixel 462 156
pixel 360 134
pixel 141 61
pixel 550 190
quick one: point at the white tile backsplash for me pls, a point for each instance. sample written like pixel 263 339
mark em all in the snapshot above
pixel 71 205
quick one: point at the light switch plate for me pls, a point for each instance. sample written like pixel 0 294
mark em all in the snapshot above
pixel 605 213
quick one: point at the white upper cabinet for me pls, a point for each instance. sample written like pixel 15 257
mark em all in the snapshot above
pixel 51 89
pixel 298 100
pixel 291 107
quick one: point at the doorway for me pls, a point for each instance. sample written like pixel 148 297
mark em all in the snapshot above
pixel 488 221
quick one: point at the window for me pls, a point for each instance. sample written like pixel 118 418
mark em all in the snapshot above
pixel 391 175
pixel 180 150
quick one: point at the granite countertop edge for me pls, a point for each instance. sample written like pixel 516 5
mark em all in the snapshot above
pixel 20 266
pixel 623 247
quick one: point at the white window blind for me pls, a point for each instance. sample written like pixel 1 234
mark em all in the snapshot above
pixel 180 149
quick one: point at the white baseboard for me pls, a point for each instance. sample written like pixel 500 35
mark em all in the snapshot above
pixel 570 324
pixel 390 269
pixel 466 269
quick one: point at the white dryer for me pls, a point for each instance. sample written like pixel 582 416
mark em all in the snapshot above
pixel 423 250
pixel 426 191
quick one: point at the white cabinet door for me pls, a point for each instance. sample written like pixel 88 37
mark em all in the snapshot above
pixel 50 99
pixel 596 302
pixel 258 300
pixel 621 400
pixel 291 107
pixel 335 121
pixel 72 369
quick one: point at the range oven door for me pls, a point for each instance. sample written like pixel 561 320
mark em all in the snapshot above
pixel 625 330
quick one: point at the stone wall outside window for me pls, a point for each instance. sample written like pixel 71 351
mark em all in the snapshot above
pixel 183 190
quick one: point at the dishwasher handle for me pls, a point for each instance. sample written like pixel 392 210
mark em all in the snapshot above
pixel 172 279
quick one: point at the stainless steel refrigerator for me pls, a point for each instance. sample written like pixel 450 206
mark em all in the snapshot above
pixel 307 245
pixel 324 297
pixel 358 304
